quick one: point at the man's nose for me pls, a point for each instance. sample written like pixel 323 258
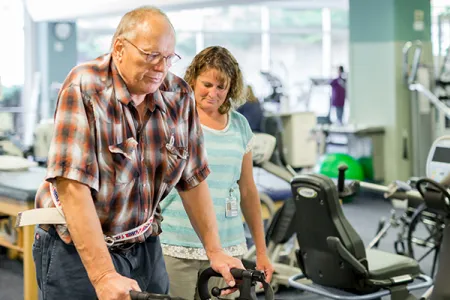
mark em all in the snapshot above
pixel 161 65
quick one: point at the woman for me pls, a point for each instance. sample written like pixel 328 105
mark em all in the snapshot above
pixel 252 111
pixel 217 82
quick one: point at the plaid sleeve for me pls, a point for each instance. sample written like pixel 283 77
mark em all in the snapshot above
pixel 196 169
pixel 72 150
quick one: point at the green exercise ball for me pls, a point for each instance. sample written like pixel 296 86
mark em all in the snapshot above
pixel 329 166
pixel 367 166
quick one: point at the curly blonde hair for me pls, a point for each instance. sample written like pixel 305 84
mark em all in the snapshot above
pixel 251 95
pixel 220 59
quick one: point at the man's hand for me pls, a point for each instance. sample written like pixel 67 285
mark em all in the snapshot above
pixel 222 263
pixel 114 286
pixel 263 264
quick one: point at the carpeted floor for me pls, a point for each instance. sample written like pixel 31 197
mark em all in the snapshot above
pixel 363 214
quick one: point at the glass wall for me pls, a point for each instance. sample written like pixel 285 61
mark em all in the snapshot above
pixel 290 43
pixel 12 66
pixel 186 48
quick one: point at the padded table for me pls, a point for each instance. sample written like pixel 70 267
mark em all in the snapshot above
pixel 275 187
pixel 17 192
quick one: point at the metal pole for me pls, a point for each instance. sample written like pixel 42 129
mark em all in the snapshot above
pixel 442 107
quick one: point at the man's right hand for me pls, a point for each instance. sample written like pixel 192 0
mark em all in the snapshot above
pixel 114 286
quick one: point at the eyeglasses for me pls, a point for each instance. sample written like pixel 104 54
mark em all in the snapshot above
pixel 156 57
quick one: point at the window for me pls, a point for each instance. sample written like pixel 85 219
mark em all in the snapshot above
pixel 94 37
pixel 246 48
pixel 186 20
pixel 289 18
pixel 445 27
pixel 232 18
pixel 339 19
pixel 295 58
pixel 294 42
pixel 339 50
pixel 12 54
pixel 186 48
pixel 92 44
pixel 299 54
pixel 12 68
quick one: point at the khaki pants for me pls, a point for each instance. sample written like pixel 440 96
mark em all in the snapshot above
pixel 183 276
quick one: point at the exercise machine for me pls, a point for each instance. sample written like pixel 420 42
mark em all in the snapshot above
pixel 12 145
pixel 336 261
pixel 43 135
pixel 279 234
pixel 276 85
pixel 247 280
pixel 262 149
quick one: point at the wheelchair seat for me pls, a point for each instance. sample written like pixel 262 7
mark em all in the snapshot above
pixel 388 265
pixel 332 253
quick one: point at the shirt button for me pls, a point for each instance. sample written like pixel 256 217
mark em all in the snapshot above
pixel 144 185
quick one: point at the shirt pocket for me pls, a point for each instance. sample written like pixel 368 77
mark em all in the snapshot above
pixel 176 155
pixel 125 160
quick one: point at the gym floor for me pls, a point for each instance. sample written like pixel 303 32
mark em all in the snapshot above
pixel 363 214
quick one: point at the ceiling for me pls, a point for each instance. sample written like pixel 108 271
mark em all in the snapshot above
pixel 59 10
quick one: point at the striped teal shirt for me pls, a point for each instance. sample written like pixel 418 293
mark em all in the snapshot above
pixel 225 150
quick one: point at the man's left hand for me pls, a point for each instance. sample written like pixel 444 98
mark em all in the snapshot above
pixel 222 263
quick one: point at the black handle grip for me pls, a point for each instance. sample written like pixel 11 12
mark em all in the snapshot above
pixel 341 177
pixel 237 273
pixel 135 295
pixel 207 274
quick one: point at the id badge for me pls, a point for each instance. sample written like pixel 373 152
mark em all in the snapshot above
pixel 231 206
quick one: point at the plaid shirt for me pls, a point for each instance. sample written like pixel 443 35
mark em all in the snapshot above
pixel 129 168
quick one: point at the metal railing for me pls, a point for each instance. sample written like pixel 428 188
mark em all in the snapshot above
pixel 410 74
pixel 432 98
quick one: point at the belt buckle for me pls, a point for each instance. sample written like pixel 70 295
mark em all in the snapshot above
pixel 110 241
pixel 123 247
pixel 115 246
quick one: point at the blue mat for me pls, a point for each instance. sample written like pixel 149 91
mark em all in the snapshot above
pixel 275 187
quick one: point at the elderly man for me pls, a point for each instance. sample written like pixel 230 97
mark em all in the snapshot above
pixel 126 133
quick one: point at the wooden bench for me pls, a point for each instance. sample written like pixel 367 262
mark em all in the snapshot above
pixel 17 192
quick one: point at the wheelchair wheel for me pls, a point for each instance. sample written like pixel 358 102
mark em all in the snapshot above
pixel 268 210
pixel 424 238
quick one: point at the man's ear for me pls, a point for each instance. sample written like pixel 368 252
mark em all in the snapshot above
pixel 118 49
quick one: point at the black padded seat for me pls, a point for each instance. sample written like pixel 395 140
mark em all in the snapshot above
pixel 332 253
pixel 384 265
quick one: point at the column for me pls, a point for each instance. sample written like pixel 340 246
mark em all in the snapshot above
pixel 378 96
pixel 57 48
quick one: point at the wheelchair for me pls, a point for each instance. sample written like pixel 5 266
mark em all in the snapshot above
pixel 247 280
pixel 420 229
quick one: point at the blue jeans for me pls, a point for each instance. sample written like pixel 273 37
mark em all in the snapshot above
pixel 339 113
pixel 61 274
